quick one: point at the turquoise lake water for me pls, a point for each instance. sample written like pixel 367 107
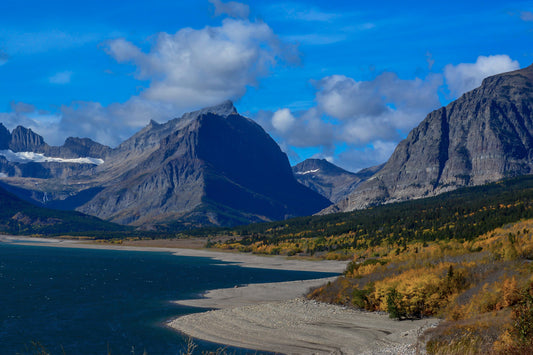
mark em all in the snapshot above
pixel 83 301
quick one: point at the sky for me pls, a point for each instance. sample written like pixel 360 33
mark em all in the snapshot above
pixel 340 80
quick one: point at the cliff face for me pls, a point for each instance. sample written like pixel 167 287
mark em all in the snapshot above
pixel 25 140
pixel 484 136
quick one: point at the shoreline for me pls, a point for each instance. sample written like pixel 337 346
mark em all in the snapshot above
pixel 300 326
pixel 274 317
pixel 273 262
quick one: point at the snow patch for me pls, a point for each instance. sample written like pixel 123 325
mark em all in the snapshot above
pixel 3 175
pixel 31 157
pixel 308 172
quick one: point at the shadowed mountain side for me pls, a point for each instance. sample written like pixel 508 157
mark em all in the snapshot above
pixel 21 217
pixel 211 163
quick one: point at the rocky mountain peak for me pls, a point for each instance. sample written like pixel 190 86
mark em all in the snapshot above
pixel 223 109
pixel 25 140
pixel 211 166
pixel 322 166
pixel 329 180
pixel 484 136
pixel 83 147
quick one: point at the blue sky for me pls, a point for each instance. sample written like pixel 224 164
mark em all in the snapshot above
pixel 343 80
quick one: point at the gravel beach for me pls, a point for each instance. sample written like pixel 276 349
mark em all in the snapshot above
pixel 299 326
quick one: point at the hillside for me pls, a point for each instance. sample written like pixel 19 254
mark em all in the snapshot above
pixel 462 215
pixel 482 288
pixel 21 217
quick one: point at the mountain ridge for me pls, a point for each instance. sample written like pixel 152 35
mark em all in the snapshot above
pixel 484 136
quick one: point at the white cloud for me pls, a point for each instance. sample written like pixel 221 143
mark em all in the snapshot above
pixel 467 76
pixel 194 68
pixel 361 158
pixel 231 8
pixel 61 78
pixel 317 39
pixel 187 70
pixel 381 108
pixel 283 120
pixel 368 118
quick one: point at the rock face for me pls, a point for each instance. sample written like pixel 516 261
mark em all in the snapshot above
pixel 23 141
pixel 484 136
pixel 210 167
pixel 79 147
pixel 329 180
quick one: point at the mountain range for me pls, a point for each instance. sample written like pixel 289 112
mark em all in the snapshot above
pixel 216 167
pixel 209 167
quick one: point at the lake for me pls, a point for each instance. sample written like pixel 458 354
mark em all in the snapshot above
pixel 83 301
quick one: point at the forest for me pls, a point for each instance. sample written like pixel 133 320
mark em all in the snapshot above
pixel 463 214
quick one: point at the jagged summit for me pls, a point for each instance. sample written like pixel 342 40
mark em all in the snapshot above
pixel 25 140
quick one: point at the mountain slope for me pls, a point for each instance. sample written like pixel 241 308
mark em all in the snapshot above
pixel 484 136
pixel 209 167
pixel 329 180
pixel 21 217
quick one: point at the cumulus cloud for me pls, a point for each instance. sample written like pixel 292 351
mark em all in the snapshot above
pixel 366 118
pixel 359 158
pixel 61 78
pixel 231 8
pixel 194 68
pixel 283 120
pixel 467 76
pixel 190 69
pixel 359 123
pixel 378 109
